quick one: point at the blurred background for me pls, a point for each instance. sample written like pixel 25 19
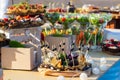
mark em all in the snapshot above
pixel 77 3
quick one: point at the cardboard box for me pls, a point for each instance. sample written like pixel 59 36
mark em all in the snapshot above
pixel 17 58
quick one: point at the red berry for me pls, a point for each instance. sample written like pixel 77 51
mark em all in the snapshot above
pixel 63 19
pixel 5 19
pixel 112 40
pixel 107 45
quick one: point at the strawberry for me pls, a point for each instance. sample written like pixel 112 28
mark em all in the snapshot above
pixel 63 19
pixel 112 40
pixel 107 45
pixel 111 45
pixel 6 19
pixel 118 43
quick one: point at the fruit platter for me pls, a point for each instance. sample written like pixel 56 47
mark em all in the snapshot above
pixel 23 15
pixel 21 22
pixel 111 46
pixel 57 62
pixel 24 8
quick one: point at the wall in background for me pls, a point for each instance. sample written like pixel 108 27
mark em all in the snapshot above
pixel 78 3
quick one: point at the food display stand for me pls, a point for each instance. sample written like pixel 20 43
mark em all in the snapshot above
pixel 32 55
pixel 61 47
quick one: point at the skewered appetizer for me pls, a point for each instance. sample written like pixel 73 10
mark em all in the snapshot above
pixel 64 62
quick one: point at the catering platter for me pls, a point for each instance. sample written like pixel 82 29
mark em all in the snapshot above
pixel 75 73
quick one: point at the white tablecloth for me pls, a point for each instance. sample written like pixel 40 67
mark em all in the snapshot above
pixel 112 34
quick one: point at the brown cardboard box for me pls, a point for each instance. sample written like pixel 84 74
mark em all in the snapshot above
pixel 17 58
pixel 30 36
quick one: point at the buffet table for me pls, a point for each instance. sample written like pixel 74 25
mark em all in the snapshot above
pixel 115 68
pixel 35 75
